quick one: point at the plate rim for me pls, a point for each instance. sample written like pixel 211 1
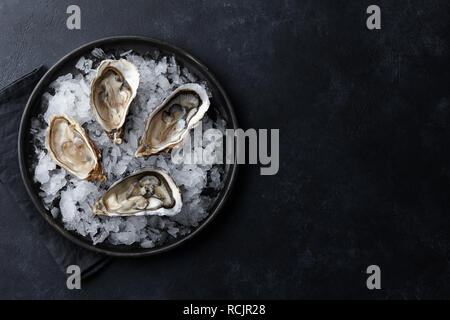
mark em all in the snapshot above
pixel 29 184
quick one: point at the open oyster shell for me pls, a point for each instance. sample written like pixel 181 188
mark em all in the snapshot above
pixel 150 191
pixel 70 147
pixel 167 126
pixel 112 91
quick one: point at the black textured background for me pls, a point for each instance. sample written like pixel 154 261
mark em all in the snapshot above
pixel 364 158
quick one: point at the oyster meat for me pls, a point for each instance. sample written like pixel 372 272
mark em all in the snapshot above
pixel 168 125
pixel 112 91
pixel 150 191
pixel 70 147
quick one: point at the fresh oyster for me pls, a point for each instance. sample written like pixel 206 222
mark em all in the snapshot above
pixel 70 147
pixel 167 126
pixel 150 191
pixel 112 91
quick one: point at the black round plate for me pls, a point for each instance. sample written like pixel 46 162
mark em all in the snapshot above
pixel 142 45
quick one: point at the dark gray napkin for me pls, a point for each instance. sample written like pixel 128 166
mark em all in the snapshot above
pixel 12 103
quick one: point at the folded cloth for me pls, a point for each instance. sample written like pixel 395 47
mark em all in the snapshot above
pixel 12 103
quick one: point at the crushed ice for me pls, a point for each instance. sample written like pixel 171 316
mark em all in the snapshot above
pixel 71 199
